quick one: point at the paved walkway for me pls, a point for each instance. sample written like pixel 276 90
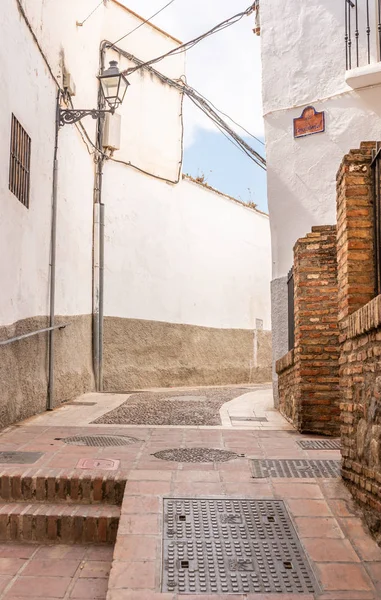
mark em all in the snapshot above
pixel 345 560
pixel 75 573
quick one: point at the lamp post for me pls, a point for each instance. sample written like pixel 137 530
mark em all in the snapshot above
pixel 114 87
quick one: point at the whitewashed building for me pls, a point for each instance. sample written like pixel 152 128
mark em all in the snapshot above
pixel 314 54
pixel 156 279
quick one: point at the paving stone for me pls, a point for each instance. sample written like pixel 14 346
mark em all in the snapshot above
pixel 10 566
pixel 134 575
pixel 308 508
pixel 41 587
pixel 330 550
pixel 139 524
pixel 138 548
pixel 51 568
pixel 90 589
pixel 96 569
pixel 342 576
pixel 318 527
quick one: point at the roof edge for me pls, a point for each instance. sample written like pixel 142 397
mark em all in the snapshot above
pixel 148 23
pixel 212 189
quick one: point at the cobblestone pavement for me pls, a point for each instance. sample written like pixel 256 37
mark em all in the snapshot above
pixel 67 572
pixel 344 558
pixel 190 407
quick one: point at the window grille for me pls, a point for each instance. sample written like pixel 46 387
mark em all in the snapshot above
pixel 19 167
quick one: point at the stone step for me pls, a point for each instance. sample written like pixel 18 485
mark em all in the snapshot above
pixel 58 485
pixel 59 523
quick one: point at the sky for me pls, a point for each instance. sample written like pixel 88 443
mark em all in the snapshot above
pixel 225 68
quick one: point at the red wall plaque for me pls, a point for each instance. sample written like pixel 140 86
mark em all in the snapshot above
pixel 309 122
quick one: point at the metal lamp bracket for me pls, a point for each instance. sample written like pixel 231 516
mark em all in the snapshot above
pixel 69 116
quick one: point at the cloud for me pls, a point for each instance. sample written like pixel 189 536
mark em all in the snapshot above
pixel 225 67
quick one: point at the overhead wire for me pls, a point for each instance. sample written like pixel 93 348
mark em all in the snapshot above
pixel 80 24
pixel 232 120
pixel 188 45
pixel 199 101
pixel 144 22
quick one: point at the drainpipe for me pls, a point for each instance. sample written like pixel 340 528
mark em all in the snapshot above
pixel 53 253
pixel 101 290
pixel 98 270
pixel 98 248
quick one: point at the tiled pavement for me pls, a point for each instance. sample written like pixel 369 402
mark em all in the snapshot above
pixel 75 573
pixel 344 558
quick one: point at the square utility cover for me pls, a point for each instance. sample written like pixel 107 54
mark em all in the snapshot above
pixel 232 546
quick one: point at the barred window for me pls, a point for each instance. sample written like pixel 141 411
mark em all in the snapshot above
pixel 19 167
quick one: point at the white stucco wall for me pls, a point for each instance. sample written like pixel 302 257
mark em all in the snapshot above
pixel 174 253
pixel 305 41
pixel 183 254
pixel 24 234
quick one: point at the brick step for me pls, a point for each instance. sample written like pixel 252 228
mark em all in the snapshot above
pixel 61 523
pixel 61 486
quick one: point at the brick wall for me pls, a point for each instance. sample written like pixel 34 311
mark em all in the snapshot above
pixel 288 388
pixel 355 231
pixel 313 403
pixel 360 335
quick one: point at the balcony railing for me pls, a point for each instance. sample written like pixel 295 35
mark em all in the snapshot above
pixel 362 32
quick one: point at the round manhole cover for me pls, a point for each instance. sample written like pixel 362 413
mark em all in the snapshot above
pixel 196 455
pixel 100 440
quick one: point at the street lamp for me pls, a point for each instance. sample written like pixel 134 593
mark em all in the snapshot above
pixel 114 87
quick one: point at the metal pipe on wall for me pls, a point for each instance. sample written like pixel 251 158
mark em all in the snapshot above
pixel 101 290
pixel 98 245
pixel 53 253
pixel 96 227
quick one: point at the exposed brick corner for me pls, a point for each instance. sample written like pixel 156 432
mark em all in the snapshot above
pixel 286 362
pixel 355 230
pixel 309 378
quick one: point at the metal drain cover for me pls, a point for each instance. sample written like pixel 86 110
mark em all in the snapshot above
pixel 196 455
pixel 333 444
pixel 257 419
pixel 81 403
pixel 295 468
pixel 100 440
pixel 20 458
pixel 232 546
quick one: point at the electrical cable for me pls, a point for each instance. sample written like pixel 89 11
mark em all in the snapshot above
pixel 200 101
pixel 80 24
pixel 204 106
pixel 188 45
pixel 231 119
pixel 144 22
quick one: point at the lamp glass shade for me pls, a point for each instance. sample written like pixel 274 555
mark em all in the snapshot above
pixel 114 85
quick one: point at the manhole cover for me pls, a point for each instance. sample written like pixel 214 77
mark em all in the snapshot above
pixel 320 444
pixel 106 464
pixel 196 455
pixel 21 458
pixel 232 546
pixel 100 440
pixel 295 468
pixel 257 419
pixel 81 403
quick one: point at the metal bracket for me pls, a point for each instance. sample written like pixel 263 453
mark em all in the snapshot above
pixel 72 115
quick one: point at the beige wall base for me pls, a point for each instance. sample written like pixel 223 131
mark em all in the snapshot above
pixel 140 354
pixel 24 366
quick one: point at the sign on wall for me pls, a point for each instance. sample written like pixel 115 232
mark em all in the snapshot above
pixel 309 122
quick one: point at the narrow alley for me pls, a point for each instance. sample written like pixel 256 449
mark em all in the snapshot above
pixel 243 507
